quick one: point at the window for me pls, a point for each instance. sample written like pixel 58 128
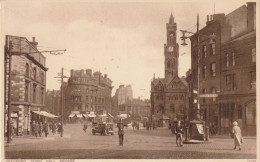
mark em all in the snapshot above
pixel 42 77
pixel 204 72
pixel 213 69
pixel 253 55
pixel 233 59
pixel 34 73
pixel 26 92
pixel 230 82
pixel 168 64
pixel 42 96
pixel 212 49
pixel 227 60
pixel 86 98
pixel 91 99
pixel 172 108
pixel 27 70
pixel 239 112
pixel 34 93
pixel 253 79
pixel 251 113
pixel 204 51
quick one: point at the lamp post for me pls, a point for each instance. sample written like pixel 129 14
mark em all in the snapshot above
pixel 211 37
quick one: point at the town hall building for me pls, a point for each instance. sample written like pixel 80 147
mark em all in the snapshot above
pixel 168 94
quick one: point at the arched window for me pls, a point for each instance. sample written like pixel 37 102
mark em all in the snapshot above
pixel 168 64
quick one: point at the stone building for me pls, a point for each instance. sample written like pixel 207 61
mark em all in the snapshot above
pixel 168 94
pixel 122 100
pixel 228 68
pixel 87 92
pixel 28 81
pixel 53 101
pixel 140 108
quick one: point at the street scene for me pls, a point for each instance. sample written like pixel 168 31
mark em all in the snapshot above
pixel 135 80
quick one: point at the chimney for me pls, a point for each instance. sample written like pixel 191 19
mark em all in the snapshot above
pixel 34 43
pixel 71 72
pixel 211 17
pixel 251 15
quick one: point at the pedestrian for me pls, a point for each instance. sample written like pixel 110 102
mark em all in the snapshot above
pixel 179 132
pixel 120 126
pixel 53 128
pixel 12 130
pixel 40 129
pixel 33 128
pixel 236 131
pixel 46 129
pixel 36 127
pixel 85 127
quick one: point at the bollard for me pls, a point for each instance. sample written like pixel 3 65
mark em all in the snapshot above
pixel 186 133
pixel 207 133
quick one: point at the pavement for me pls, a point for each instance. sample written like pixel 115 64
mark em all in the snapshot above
pixel 142 144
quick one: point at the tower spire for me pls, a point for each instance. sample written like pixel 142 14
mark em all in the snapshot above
pixel 171 20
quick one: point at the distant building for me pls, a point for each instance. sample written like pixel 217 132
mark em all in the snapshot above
pixel 140 108
pixel 28 81
pixel 228 68
pixel 169 94
pixel 53 101
pixel 122 99
pixel 87 92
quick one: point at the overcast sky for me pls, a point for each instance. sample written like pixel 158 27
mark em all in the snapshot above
pixel 124 40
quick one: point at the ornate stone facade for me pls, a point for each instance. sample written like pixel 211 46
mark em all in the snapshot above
pixel 168 95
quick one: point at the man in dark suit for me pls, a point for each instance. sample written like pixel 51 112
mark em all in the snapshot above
pixel 120 126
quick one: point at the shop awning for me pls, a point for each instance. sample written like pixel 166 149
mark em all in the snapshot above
pixel 79 115
pixel 71 115
pixel 110 115
pixel 46 114
pixel 91 115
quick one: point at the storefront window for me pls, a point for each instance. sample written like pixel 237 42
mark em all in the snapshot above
pixel 251 113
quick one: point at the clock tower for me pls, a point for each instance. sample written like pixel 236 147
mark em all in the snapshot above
pixel 171 51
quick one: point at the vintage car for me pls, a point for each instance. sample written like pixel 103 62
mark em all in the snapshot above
pixel 104 129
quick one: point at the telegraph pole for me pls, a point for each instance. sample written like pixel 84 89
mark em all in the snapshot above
pixel 198 87
pixel 9 92
pixel 61 134
pixel 61 99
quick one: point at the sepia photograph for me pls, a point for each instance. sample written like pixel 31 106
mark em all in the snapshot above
pixel 110 79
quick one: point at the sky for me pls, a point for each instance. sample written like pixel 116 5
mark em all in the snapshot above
pixel 124 40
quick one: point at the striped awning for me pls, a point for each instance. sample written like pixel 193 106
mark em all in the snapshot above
pixel 46 114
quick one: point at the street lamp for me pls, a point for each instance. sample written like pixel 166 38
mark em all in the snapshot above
pixel 211 37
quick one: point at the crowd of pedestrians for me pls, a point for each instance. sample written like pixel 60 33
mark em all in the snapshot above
pixel 38 128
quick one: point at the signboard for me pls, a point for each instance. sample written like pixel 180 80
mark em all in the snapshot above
pixel 208 95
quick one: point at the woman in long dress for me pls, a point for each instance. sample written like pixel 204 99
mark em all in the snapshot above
pixel 237 135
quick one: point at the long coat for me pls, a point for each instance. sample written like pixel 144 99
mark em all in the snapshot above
pixel 237 135
pixel 120 128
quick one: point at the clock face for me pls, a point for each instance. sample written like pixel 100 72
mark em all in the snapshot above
pixel 170 49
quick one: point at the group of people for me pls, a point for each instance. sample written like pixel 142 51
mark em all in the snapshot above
pixel 38 128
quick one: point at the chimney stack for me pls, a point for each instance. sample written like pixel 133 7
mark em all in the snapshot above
pixel 34 43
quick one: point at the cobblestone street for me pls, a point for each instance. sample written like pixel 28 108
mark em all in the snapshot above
pixel 155 144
